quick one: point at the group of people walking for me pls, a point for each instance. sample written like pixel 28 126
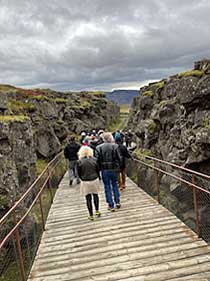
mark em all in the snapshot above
pixel 100 155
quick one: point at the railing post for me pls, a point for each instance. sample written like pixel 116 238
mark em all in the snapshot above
pixel 195 199
pixel 157 183
pixel 42 214
pixel 19 250
pixel 49 185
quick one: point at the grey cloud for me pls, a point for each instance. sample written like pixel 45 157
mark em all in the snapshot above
pixel 82 44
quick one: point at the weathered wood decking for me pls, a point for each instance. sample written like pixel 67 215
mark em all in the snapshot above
pixel 142 241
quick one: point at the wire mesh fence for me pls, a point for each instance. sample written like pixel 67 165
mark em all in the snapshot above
pixel 184 192
pixel 22 227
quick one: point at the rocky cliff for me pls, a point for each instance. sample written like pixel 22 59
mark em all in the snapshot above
pixel 171 118
pixel 171 121
pixel 35 124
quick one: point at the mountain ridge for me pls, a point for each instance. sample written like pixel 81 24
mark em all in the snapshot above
pixel 122 96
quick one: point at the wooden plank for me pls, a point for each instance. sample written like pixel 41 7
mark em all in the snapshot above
pixel 140 241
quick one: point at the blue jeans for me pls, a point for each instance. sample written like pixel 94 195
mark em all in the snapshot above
pixel 110 181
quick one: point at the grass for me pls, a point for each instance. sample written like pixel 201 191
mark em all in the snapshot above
pixel 11 273
pixel 120 122
pixel 40 165
pixel 41 98
pixel 124 108
pixel 7 88
pixel 114 124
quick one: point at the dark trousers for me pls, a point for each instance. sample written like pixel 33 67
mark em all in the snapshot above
pixel 89 202
pixel 122 178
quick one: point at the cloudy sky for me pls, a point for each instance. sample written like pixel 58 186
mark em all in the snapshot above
pixel 100 44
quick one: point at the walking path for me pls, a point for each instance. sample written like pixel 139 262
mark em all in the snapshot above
pixel 142 241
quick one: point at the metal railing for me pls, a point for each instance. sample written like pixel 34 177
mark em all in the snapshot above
pixel 183 191
pixel 22 226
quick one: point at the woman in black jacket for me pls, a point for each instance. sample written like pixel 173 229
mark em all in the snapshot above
pixel 88 171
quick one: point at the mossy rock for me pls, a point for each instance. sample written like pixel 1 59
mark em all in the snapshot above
pixel 160 84
pixel 40 165
pixel 148 94
pixel 16 106
pixel 60 122
pixel 195 73
pixel 206 122
pixel 14 118
pixel 99 94
pixel 152 127
pixel 163 103
pixel 41 98
pixel 4 201
pixel 85 104
pixel 142 153
pixel 60 100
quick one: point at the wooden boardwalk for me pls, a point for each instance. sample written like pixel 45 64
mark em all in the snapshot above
pixel 142 241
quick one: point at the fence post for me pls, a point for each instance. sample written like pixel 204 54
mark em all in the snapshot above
pixel 42 214
pixel 195 199
pixel 19 250
pixel 157 183
pixel 49 185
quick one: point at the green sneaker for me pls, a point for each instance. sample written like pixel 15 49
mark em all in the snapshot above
pixel 111 209
pixel 91 218
pixel 98 214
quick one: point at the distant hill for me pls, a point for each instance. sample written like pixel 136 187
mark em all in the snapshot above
pixel 122 96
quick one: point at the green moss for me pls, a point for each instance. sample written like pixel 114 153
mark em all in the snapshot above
pixel 45 91
pixel 152 127
pixel 114 124
pixel 99 94
pixel 160 84
pixel 60 100
pixel 4 201
pixel 7 88
pixel 17 106
pixel 195 73
pixel 85 104
pixel 40 98
pixel 13 118
pixel 163 103
pixel 60 122
pixel 124 108
pixel 148 94
pixel 190 131
pixel 40 165
pixel 141 153
pixel 206 122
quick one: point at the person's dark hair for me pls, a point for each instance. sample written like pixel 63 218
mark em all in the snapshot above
pixel 119 141
pixel 71 138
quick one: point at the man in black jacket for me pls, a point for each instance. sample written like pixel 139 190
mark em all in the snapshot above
pixel 125 154
pixel 70 153
pixel 109 160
